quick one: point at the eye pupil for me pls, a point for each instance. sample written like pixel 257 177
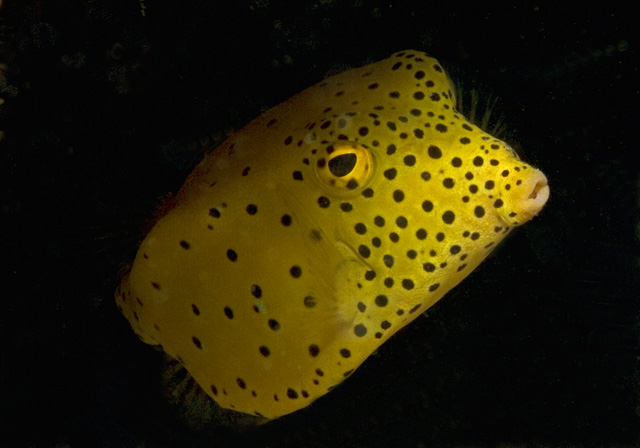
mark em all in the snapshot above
pixel 342 164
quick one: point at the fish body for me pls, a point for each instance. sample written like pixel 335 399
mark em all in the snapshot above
pixel 320 229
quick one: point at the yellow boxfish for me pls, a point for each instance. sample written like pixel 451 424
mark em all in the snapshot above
pixel 320 229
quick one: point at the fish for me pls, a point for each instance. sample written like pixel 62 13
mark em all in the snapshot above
pixel 313 234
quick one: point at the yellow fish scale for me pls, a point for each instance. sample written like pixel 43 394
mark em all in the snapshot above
pixel 320 229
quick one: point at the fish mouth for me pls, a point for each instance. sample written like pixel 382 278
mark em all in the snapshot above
pixel 537 193
pixel 527 201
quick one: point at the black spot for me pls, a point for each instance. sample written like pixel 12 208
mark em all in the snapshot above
pixel 232 255
pixel 429 267
pixel 421 234
pixel 256 291
pixel 396 66
pixel 391 149
pixel 292 394
pixel 388 282
pixel 489 185
pixel 419 74
pixel 228 312
pixel 363 131
pixel 264 351
pixel 498 203
pixel 274 324
pixel 295 271
pixel 360 330
pixel 364 251
pixel 454 249
pixel 285 220
pixel 415 308
pixel 370 275
pixel 393 236
pixel 246 170
pixel 214 389
pixel 465 140
pixel 376 242
pixel 385 325
pixel 418 95
pixel 407 284
pixel 314 350
pixel 448 217
pixel 434 287
pixel 324 202
pixel 457 162
pixel 394 95
pixel 419 133
pixel 362 307
pixel 448 182
pixel 440 236
pixel 195 309
pixel 252 209
pixel 379 221
pixel 185 245
pixel 388 260
pixel 409 160
pixel 348 372
pixel 346 207
pixel 479 211
pixel 434 97
pixel 360 228
pixel 415 112
pixel 473 188
pixel 478 161
pixel 352 184
pixel 412 254
pixel 297 175
pixel 425 176
pixel 319 372
pixel 197 342
pixel 441 128
pixel 390 173
pixel 367 193
pixel 381 300
pixel 398 195
pixel 345 353
pixel 288 140
pixel 434 152
pixel 309 301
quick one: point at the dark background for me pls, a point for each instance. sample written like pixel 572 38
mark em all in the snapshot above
pixel 106 111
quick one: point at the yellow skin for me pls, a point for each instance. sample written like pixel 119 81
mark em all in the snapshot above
pixel 317 231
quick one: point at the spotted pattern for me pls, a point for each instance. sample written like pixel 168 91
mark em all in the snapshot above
pixel 320 229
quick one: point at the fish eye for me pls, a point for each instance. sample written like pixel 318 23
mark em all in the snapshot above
pixel 346 167
pixel 342 164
